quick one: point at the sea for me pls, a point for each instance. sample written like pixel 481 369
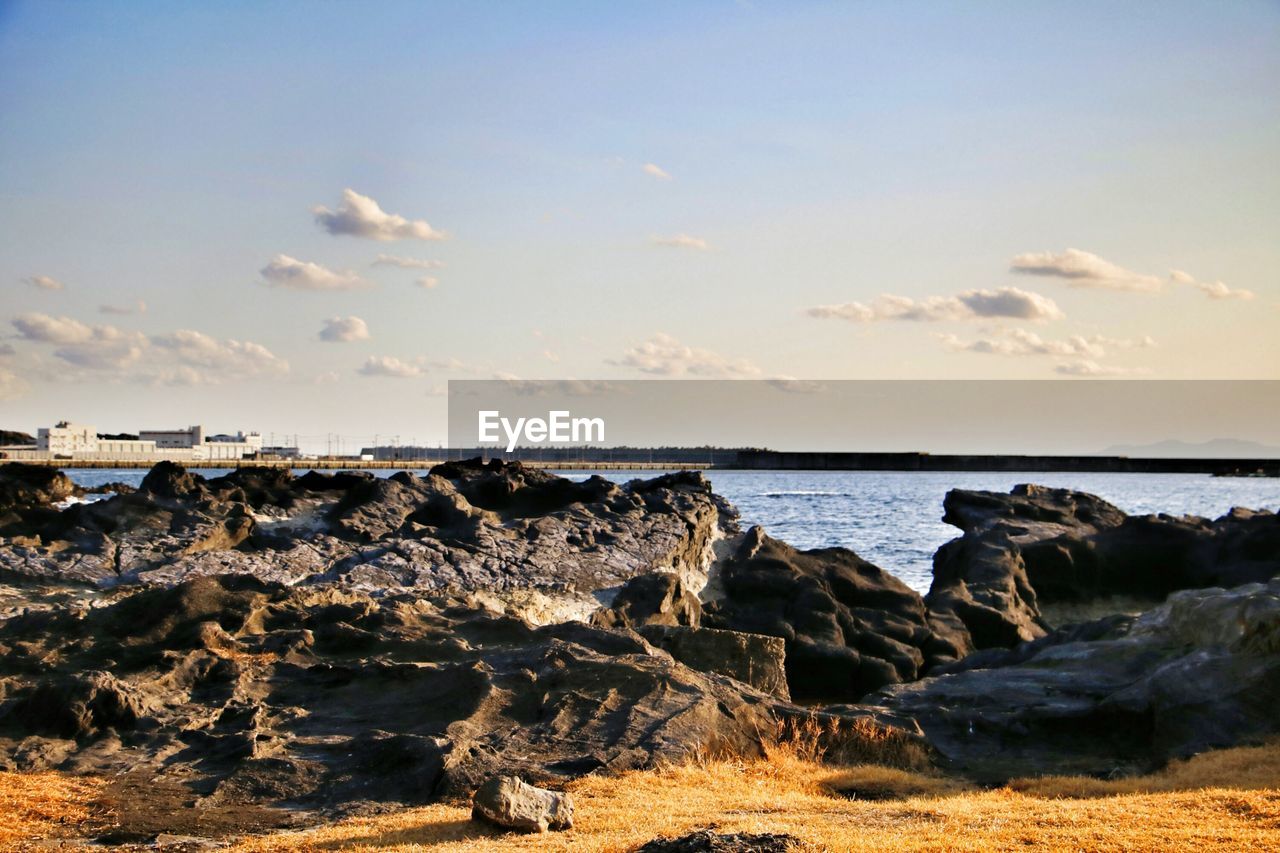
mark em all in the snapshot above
pixel 894 518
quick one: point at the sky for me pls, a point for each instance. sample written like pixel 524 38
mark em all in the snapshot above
pixel 305 218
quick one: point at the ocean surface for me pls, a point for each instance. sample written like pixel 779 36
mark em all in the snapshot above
pixel 893 518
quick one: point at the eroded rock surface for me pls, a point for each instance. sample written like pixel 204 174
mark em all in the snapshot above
pixel 707 841
pixel 1119 695
pixel 466 526
pixel 510 802
pixel 254 693
pixel 1037 546
pixel 849 627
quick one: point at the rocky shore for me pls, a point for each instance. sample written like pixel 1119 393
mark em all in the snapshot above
pixel 270 649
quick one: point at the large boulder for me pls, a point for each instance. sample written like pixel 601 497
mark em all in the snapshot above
pixel 1123 694
pixel 32 485
pixel 510 802
pixel 1036 547
pixel 850 628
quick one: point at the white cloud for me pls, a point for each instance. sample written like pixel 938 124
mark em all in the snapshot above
pixel 1009 302
pixel 1084 269
pixel 183 357
pixel 1019 342
pixel 681 241
pixel 344 330
pixel 90 347
pixel 44 282
pixel 427 282
pixel 360 216
pixel 138 307
pixel 407 263
pixel 7 350
pixel 1087 367
pixel 387 365
pixel 656 171
pixel 228 359
pixel 327 378
pixel 284 271
pixel 1218 290
pixel 663 355
pixel 1212 289
pixel 57 330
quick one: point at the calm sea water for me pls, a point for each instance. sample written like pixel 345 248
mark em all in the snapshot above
pixel 893 518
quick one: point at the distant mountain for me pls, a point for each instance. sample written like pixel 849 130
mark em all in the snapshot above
pixel 1218 448
pixel 9 436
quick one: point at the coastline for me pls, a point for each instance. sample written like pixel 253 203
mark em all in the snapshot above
pixel 743 461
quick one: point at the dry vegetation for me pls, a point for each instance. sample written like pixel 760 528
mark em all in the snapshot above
pixel 37 806
pixel 1228 800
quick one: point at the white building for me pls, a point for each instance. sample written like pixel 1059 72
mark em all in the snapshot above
pixel 204 447
pixel 81 441
pixel 166 439
pixel 67 439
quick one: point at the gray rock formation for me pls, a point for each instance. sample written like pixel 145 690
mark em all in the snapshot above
pixel 753 659
pixel 464 527
pixel 849 627
pixel 706 841
pixel 252 693
pixel 656 598
pixel 1121 695
pixel 509 802
pixel 1038 546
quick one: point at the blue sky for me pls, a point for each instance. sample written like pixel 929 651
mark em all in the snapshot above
pixel 831 184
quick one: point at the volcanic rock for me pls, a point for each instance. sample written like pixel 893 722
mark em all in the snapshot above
pixel 1038 546
pixel 754 659
pixel 1120 695
pixel 255 693
pixel 655 598
pixel 706 841
pixel 497 528
pixel 849 627
pixel 510 802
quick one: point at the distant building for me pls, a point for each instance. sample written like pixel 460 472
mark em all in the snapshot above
pixel 67 439
pixel 202 447
pixel 166 439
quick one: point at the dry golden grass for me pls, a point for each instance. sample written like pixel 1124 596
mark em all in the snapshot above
pixel 37 806
pixel 1228 800
pixel 1221 801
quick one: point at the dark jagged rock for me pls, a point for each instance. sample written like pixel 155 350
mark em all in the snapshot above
pixel 753 659
pixel 1120 695
pixel 656 598
pixel 171 480
pixel 497 528
pixel 249 692
pixel 1038 546
pixel 79 705
pixel 23 486
pixel 850 628
pixel 706 841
